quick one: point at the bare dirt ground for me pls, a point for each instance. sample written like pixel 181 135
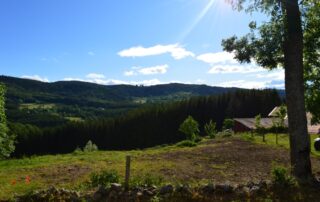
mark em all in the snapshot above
pixel 228 160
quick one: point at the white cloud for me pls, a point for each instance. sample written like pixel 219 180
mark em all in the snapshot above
pixel 91 53
pixel 274 75
pixel 243 84
pixel 216 58
pixel 95 76
pixel 129 73
pixel 36 77
pixel 225 69
pixel 116 82
pixel 160 69
pixel 252 84
pixel 176 51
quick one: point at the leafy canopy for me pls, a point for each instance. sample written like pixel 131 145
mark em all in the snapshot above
pixel 264 43
pixel 6 140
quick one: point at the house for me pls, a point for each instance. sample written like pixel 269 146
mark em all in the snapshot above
pixel 248 124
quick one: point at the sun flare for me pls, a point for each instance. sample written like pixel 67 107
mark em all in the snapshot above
pixel 212 5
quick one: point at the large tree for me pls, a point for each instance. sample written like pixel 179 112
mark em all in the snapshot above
pixel 6 140
pixel 279 43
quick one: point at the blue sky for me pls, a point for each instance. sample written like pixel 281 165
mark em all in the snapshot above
pixel 123 41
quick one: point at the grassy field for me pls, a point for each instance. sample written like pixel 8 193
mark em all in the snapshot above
pixel 234 160
pixel 283 140
pixel 32 106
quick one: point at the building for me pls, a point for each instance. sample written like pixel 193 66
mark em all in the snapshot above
pixel 248 124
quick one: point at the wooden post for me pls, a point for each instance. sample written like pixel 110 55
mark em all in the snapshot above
pixel 277 138
pixel 127 176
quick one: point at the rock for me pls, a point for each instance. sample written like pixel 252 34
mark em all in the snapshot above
pixel 148 192
pixel 250 184
pixel 207 189
pixel 116 187
pixel 255 189
pixel 224 188
pixel 184 190
pixel 139 194
pixel 168 189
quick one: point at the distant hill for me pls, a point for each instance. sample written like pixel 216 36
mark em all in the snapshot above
pixel 48 104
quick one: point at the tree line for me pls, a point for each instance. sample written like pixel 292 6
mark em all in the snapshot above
pixel 144 127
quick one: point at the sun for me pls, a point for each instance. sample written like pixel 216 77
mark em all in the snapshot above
pixel 216 5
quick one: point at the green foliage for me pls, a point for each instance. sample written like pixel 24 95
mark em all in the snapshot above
pixel 265 43
pixel 190 128
pixel 6 138
pixel 144 127
pixel 90 147
pixel 282 113
pixel 210 129
pixel 281 177
pixel 186 143
pixel 257 124
pixel 228 124
pixel 104 178
pixel 147 180
pixel 225 133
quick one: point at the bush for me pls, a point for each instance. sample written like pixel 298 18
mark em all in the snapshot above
pixel 7 139
pixel 228 124
pixel 147 180
pixel 78 150
pixel 210 129
pixel 90 147
pixel 186 143
pixel 104 178
pixel 190 128
pixel 281 177
pixel 225 133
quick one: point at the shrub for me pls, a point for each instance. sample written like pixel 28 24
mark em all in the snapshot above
pixel 281 177
pixel 186 143
pixel 198 139
pixel 147 180
pixel 225 133
pixel 7 139
pixel 104 178
pixel 78 150
pixel 210 129
pixel 228 124
pixel 90 147
pixel 190 128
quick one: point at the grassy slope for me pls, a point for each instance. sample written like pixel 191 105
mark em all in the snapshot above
pixel 283 141
pixel 220 160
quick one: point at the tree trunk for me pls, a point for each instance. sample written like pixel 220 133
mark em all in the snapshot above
pixel 294 84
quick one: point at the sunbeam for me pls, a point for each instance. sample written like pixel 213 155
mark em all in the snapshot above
pixel 198 19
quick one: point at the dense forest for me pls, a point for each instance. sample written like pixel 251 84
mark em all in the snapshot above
pixel 145 126
pixel 52 104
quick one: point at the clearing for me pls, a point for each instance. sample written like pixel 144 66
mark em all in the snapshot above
pixel 233 159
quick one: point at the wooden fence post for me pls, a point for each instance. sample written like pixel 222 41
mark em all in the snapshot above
pixel 127 176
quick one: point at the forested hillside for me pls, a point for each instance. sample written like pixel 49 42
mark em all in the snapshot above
pixel 51 104
pixel 146 126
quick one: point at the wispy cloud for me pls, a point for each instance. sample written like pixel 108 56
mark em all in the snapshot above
pixel 116 82
pixel 36 77
pixel 91 53
pixel 274 75
pixel 253 84
pixel 95 76
pixel 227 69
pixel 175 50
pixel 160 69
pixel 129 73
